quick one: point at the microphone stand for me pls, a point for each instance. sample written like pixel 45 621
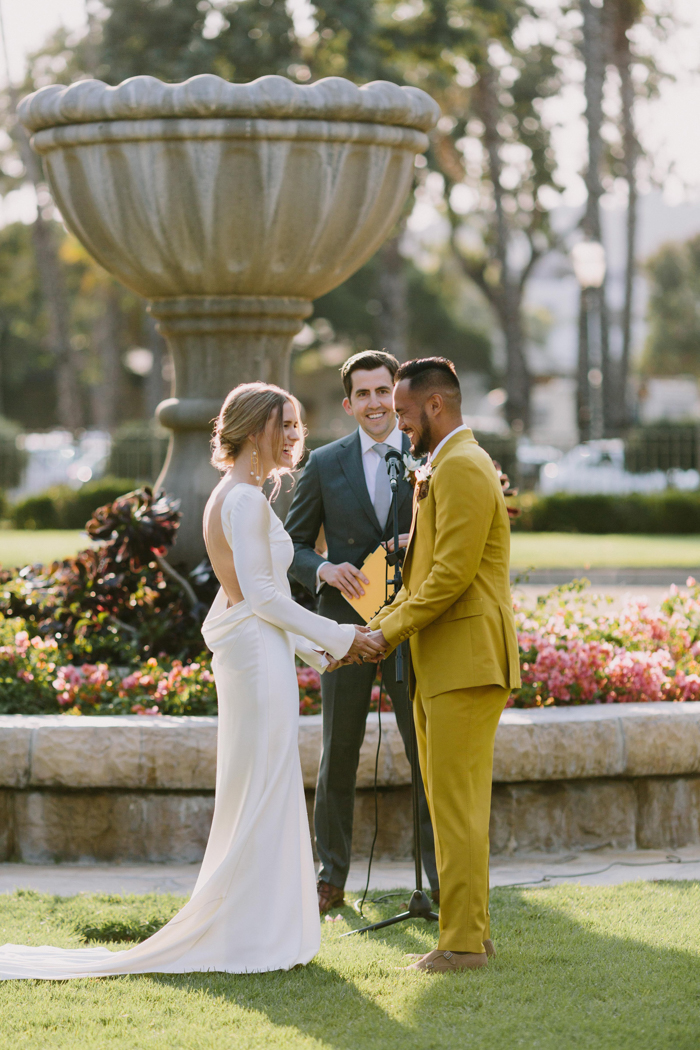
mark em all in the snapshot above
pixel 419 906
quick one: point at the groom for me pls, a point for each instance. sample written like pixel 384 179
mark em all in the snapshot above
pixel 455 609
pixel 345 489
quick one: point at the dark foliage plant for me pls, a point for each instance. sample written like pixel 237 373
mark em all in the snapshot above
pixel 118 601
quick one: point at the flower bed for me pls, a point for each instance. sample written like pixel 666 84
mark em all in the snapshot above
pixel 577 651
pixel 117 630
pixel 39 676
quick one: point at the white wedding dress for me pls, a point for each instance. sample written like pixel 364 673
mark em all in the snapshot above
pixel 254 906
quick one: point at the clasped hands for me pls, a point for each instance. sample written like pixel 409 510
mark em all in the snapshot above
pixel 369 646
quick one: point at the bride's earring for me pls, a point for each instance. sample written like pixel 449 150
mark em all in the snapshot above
pixel 255 464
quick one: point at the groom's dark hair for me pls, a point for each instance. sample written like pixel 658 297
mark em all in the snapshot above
pixel 367 360
pixel 427 375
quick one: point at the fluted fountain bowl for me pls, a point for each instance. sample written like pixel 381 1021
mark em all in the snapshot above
pixel 211 188
pixel 230 207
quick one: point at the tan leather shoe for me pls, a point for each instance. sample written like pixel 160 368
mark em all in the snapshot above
pixel 488 945
pixel 329 896
pixel 435 894
pixel 449 962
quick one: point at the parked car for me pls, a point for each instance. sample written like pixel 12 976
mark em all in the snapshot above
pixel 599 466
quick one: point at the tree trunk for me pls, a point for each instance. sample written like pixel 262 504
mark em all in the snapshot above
pixel 105 405
pixel 393 295
pixel 623 16
pixel 155 383
pixel 55 301
pixel 518 380
pixel 507 295
pixel 593 53
pixel 583 390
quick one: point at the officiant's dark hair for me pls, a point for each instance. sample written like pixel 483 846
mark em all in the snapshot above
pixel 428 374
pixel 368 360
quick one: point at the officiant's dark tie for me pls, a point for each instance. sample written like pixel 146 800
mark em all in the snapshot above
pixel 382 485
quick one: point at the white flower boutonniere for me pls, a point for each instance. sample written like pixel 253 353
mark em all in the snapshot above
pixel 412 465
pixel 418 473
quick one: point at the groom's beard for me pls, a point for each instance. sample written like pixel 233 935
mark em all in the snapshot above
pixel 421 438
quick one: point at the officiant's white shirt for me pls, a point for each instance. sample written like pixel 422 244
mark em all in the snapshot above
pixel 370 458
pixel 370 462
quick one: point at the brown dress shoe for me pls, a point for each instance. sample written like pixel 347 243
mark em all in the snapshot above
pixel 435 894
pixel 329 896
pixel 449 962
pixel 488 946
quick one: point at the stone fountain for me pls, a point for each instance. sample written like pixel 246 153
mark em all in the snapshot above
pixel 230 207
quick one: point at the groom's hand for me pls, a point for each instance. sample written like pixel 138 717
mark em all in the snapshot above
pixel 379 641
pixel 346 578
pixel 365 646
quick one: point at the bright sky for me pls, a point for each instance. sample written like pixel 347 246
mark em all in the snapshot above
pixel 669 125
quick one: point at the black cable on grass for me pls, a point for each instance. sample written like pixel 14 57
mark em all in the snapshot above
pixel 361 905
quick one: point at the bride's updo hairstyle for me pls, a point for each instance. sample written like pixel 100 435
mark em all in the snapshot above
pixel 245 413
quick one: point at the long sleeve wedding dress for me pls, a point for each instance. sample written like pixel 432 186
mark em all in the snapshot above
pixel 254 905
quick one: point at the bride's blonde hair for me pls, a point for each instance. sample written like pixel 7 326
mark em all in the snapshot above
pixel 245 413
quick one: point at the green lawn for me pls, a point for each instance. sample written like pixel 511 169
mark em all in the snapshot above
pixel 578 968
pixel 538 550
pixel 563 550
pixel 24 546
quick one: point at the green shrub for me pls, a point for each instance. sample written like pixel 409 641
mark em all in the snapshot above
pixel 62 507
pixel 664 513
pixel 35 512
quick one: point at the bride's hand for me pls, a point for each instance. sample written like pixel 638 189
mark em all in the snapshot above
pixel 334 664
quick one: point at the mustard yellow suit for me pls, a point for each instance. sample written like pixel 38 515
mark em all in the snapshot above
pixel 455 609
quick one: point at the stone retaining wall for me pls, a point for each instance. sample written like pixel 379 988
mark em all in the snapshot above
pixel 135 788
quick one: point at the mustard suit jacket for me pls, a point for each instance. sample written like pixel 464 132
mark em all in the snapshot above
pixel 455 605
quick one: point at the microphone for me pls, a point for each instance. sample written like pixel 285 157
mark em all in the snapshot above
pixel 394 466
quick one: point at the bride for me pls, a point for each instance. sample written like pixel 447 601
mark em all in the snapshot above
pixel 254 904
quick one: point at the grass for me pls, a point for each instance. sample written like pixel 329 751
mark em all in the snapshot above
pixel 538 550
pixel 578 968
pixel 25 547
pixel 564 550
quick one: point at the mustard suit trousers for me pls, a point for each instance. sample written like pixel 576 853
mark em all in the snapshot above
pixel 456 733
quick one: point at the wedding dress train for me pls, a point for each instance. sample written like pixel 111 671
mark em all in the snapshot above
pixel 254 906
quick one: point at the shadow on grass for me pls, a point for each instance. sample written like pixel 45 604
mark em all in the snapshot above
pixel 564 979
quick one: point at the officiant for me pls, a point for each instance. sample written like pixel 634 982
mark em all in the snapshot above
pixel 345 489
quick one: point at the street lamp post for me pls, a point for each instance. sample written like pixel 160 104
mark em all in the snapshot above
pixel 589 263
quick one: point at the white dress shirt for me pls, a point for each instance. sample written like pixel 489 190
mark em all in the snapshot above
pixel 370 458
pixel 370 462
pixel 444 441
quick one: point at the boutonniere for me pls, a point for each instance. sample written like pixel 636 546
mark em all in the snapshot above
pixel 412 465
pixel 418 473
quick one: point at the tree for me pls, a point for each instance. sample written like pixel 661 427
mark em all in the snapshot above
pixel 355 313
pixel 606 44
pixel 492 147
pixel 51 277
pixel 620 18
pixel 673 342
pixel 177 39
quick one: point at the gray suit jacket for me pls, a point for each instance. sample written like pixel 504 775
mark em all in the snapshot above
pixel 332 492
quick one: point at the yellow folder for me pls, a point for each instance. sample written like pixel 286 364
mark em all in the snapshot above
pixel 371 602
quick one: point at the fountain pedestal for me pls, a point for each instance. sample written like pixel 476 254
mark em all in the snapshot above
pixel 231 207
pixel 216 342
